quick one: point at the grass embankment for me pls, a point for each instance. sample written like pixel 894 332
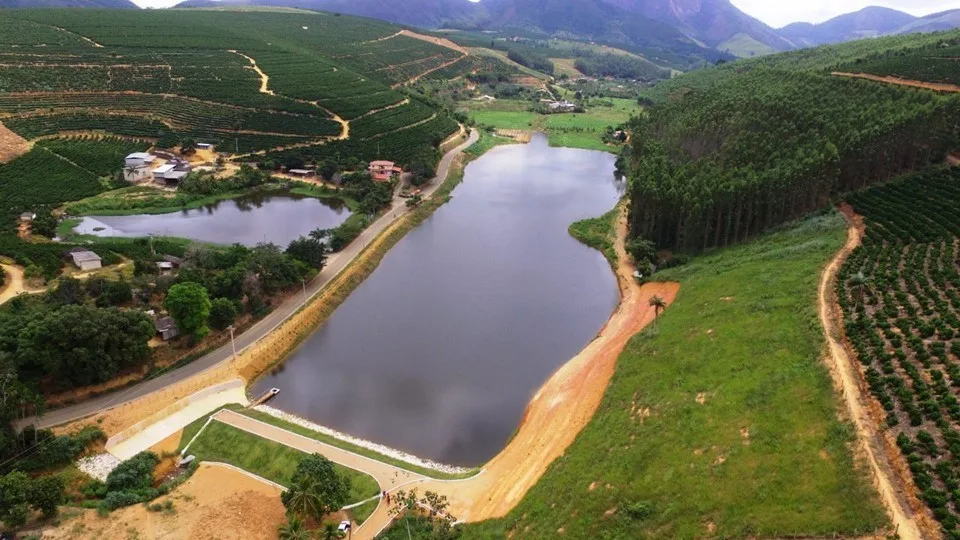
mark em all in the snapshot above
pixel 721 419
pixel 333 441
pixel 270 460
pixel 599 233
pixel 573 130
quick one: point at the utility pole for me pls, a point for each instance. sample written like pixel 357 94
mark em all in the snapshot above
pixel 304 283
pixel 233 345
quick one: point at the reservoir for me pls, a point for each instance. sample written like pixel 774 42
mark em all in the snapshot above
pixel 249 220
pixel 439 351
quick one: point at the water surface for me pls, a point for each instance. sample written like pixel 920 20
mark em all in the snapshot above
pixel 438 352
pixel 245 220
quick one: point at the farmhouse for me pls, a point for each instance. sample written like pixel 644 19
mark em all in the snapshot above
pixel 27 217
pixel 302 173
pixel 204 146
pixel 139 159
pixel 85 259
pixel 172 173
pixel 383 171
pixel 167 328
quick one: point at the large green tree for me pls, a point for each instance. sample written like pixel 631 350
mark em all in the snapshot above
pixel 316 489
pixel 189 305
pixel 79 345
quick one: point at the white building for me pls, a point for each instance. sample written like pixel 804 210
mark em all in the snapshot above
pixel 140 159
pixel 86 260
pixel 161 172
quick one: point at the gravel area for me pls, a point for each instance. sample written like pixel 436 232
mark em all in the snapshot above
pixel 98 466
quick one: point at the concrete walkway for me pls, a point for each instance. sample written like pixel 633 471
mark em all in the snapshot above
pixel 170 420
pixel 336 263
pixel 388 476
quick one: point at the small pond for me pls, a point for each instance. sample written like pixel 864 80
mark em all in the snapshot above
pixel 249 220
pixel 439 351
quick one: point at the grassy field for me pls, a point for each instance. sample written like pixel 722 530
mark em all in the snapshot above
pixel 273 461
pixel 598 233
pixel 581 130
pixel 720 420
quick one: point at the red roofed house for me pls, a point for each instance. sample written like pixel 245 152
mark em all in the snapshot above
pixel 383 171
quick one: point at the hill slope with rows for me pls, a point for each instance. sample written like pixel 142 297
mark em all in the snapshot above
pixel 251 81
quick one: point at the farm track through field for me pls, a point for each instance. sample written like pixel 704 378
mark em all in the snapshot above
pixel 400 103
pixel 848 379
pixel 85 38
pixel 265 89
pixel 135 93
pixel 429 71
pixel 404 128
pixel 936 87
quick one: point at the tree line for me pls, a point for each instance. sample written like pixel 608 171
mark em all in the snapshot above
pixel 715 164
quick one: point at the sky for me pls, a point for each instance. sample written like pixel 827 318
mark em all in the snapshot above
pixel 778 13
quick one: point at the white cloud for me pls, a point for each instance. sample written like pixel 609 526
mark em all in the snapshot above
pixel 778 13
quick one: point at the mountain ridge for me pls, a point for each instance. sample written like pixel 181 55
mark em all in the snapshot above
pixel 105 4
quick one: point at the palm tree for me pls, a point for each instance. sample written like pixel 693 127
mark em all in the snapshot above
pixel 303 499
pixel 658 304
pixel 294 529
pixel 330 532
pixel 858 283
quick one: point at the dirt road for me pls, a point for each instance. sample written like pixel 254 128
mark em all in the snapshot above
pixel 846 378
pixel 936 87
pixel 14 284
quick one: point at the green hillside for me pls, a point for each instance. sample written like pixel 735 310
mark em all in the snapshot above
pixel 728 152
pixel 193 73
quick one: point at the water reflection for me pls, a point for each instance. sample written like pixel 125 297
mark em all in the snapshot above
pixel 439 351
pixel 276 218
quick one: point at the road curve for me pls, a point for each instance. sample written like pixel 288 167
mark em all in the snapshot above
pixel 336 263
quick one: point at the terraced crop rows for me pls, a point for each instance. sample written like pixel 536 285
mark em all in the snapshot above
pixel 939 63
pixel 900 295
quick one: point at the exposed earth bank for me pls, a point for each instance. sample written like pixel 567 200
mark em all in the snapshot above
pixel 561 408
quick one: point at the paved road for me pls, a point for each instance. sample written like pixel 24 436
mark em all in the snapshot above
pixel 336 263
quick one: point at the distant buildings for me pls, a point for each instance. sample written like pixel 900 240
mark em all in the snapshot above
pixel 562 106
pixel 84 259
pixel 383 171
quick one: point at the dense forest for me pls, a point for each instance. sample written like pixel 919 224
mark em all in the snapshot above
pixel 730 151
pixel 619 66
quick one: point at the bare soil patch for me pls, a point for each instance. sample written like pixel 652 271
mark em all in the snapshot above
pixel 11 145
pixel 216 503
pixel 936 87
pixel 442 42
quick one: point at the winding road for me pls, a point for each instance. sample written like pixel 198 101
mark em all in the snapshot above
pixel 336 263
